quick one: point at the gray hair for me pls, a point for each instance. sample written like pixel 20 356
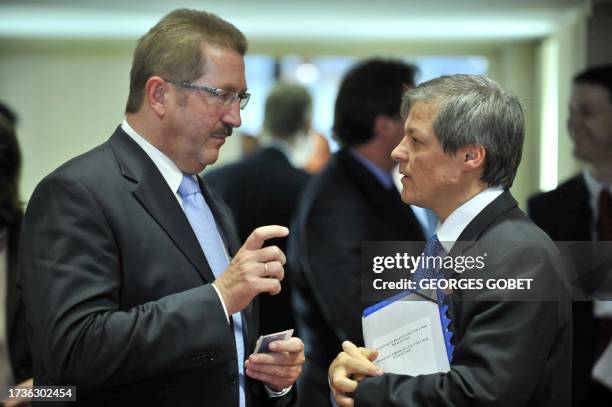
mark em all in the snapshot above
pixel 288 110
pixel 475 110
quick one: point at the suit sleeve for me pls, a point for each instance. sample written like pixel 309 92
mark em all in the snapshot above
pixel 71 277
pixel 500 354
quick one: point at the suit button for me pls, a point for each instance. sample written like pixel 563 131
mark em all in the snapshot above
pixel 211 357
pixel 232 379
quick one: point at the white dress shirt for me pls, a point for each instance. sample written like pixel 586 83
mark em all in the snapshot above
pixel 449 231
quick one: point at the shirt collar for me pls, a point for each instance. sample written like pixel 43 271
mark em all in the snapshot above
pixel 171 173
pixel 449 231
pixel 381 175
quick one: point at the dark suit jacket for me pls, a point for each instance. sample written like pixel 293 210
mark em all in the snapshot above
pixel 117 289
pixel 566 215
pixel 508 353
pixel 263 189
pixel 341 207
pixel 19 349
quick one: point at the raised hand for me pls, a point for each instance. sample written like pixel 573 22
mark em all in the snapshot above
pixel 253 270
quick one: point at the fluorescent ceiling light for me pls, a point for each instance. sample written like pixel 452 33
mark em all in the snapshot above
pixel 31 22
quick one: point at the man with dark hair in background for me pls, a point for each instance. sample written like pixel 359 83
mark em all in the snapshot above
pixel 263 188
pixel 135 287
pixel 351 201
pixel 580 209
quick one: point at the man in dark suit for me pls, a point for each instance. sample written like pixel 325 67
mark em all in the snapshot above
pixel 351 201
pixel 462 146
pixel 580 209
pixel 134 285
pixel 263 188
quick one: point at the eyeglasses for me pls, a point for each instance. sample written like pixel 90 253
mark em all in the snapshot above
pixel 223 97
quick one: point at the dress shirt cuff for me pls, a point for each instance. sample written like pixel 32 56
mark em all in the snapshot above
pixel 280 393
pixel 222 303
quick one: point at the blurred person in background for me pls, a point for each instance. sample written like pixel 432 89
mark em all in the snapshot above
pixel 352 200
pixel 15 357
pixel 248 144
pixel 263 188
pixel 580 209
pixel 319 153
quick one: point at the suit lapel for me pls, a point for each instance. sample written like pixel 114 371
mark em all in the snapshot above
pixel 500 205
pixel 470 235
pixel 155 196
pixel 227 230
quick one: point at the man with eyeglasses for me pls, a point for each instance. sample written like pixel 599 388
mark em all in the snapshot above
pixel 134 284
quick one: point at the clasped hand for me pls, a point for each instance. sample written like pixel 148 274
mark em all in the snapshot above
pixel 279 368
pixel 348 370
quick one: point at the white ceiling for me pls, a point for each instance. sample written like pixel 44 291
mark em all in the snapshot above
pixel 296 20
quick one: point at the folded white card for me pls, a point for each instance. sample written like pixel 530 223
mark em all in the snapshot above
pixel 263 343
pixel 408 335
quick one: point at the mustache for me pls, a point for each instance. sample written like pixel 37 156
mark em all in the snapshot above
pixel 224 131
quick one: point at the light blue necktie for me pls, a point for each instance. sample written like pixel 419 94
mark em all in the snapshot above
pixel 203 224
pixel 434 248
pixel 432 223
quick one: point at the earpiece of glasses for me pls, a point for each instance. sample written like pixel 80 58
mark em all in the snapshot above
pixel 224 97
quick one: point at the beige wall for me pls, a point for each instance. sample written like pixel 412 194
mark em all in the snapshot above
pixel 517 73
pixel 69 98
pixel 70 95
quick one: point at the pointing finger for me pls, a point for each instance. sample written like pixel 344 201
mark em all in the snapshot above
pixel 260 235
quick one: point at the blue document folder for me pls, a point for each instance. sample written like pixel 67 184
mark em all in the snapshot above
pixel 410 331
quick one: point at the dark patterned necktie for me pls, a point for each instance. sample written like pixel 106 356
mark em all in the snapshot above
pixel 434 248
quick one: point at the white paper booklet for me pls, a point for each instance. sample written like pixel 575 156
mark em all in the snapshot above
pixel 408 335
